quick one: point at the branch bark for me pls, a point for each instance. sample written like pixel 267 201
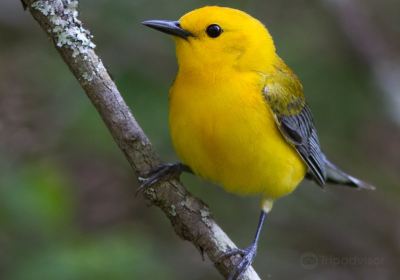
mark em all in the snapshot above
pixel 189 216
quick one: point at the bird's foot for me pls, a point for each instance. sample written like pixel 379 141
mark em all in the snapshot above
pixel 163 172
pixel 248 255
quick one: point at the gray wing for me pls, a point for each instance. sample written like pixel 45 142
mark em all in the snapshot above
pixel 283 93
pixel 299 131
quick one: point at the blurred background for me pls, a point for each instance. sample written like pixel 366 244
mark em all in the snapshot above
pixel 67 205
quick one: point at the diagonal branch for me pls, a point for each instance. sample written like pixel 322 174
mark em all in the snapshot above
pixel 189 216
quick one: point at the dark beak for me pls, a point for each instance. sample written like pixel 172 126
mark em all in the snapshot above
pixel 169 27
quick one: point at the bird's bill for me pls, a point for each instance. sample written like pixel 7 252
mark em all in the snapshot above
pixel 169 27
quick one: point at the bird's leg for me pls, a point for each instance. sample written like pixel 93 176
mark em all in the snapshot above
pixel 248 254
pixel 163 172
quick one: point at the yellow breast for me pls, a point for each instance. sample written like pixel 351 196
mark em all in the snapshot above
pixel 226 133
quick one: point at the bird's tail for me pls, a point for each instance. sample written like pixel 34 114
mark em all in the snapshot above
pixel 336 176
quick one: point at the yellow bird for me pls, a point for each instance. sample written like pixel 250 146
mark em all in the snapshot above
pixel 238 116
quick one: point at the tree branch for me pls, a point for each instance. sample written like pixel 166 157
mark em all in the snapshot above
pixel 189 216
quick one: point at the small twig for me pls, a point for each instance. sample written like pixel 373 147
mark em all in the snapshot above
pixel 189 216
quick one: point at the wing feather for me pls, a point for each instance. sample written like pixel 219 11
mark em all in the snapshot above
pixel 284 95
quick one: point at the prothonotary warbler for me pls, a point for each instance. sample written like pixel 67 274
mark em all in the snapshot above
pixel 238 116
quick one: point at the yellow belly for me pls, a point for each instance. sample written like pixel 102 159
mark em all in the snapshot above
pixel 227 134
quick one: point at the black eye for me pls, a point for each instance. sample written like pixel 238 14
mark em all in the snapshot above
pixel 214 30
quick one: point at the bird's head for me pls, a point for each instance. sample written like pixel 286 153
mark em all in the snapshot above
pixel 215 37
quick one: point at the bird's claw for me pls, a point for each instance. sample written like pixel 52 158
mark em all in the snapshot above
pixel 248 254
pixel 233 252
pixel 163 172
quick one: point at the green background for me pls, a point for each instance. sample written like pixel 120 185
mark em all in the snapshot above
pixel 67 205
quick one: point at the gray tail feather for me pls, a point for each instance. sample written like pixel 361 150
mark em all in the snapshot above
pixel 336 176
